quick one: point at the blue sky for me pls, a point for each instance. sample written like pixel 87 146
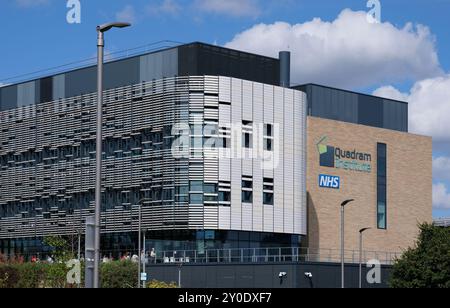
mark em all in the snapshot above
pixel 389 59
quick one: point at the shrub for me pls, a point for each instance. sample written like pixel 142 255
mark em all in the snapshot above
pixel 154 284
pixel 119 275
pixel 114 275
pixel 9 276
pixel 31 275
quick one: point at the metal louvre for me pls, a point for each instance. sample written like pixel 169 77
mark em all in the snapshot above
pixel 47 155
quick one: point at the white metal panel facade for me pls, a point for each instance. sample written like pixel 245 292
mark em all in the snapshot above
pixel 285 109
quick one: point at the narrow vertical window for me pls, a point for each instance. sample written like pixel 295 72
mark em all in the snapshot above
pixel 268 137
pixel 268 192
pixel 247 189
pixel 247 134
pixel 381 186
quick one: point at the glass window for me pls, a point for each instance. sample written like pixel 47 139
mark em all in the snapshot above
pixel 196 186
pixel 210 198
pixel 224 196
pixel 225 143
pixel 268 144
pixel 381 216
pixel 210 189
pixel 382 186
pixel 247 142
pixel 168 194
pixel 210 235
pixel 268 198
pixel 268 130
pixel 247 184
pixel 196 199
pixel 247 196
pixel 182 199
pixel 182 190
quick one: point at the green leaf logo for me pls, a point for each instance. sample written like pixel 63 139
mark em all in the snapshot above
pixel 321 146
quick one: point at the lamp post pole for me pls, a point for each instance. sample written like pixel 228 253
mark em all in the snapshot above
pixel 360 254
pixel 98 178
pixel 343 204
pixel 139 239
pixel 143 260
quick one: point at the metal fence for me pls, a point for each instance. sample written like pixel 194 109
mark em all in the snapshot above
pixel 267 255
pixel 244 255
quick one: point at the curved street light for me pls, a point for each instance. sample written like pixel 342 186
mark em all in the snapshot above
pixel 360 253
pixel 140 202
pixel 343 204
pixel 98 178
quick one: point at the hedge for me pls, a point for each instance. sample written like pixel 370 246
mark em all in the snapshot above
pixel 119 274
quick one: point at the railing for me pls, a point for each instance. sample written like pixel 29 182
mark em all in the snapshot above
pixel 244 255
pixel 267 255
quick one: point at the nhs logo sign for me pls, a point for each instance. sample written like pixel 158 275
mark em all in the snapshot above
pixel 329 181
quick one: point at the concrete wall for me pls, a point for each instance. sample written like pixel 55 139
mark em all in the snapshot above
pixel 325 275
pixel 409 188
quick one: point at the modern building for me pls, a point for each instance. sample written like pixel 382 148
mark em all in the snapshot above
pixel 220 152
pixel 442 222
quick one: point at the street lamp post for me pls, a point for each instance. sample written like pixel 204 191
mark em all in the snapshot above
pixel 343 204
pixel 98 180
pixel 143 260
pixel 139 239
pixel 360 254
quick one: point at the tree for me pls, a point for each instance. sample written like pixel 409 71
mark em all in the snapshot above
pixel 428 264
pixel 59 246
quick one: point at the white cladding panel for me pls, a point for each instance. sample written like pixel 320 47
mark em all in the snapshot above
pixel 243 102
pixel 279 168
pixel 258 121
pixel 236 164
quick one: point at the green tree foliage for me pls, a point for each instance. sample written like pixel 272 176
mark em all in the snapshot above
pixel 428 264
pixel 60 247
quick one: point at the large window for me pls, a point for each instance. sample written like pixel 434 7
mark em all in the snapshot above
pixel 196 186
pixel 196 199
pixel 381 186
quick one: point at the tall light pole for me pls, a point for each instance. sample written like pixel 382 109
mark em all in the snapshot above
pixel 98 179
pixel 360 254
pixel 139 239
pixel 343 204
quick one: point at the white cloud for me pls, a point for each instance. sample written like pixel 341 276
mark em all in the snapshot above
pixel 235 8
pixel 31 3
pixel 441 197
pixel 441 168
pixel 166 7
pixel 429 106
pixel 127 14
pixel 347 52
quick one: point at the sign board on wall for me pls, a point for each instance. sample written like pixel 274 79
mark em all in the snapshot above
pixel 329 181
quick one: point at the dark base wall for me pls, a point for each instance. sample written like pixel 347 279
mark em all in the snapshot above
pixel 325 275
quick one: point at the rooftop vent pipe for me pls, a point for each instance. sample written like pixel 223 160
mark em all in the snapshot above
pixel 285 69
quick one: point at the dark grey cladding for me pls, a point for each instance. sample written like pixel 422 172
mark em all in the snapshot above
pixel 196 59
pixel 347 106
pixel 285 69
